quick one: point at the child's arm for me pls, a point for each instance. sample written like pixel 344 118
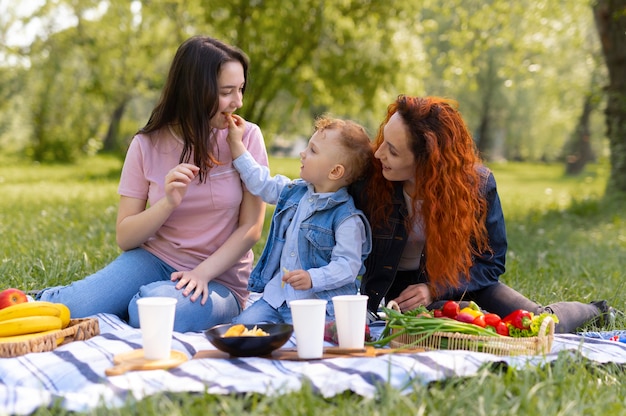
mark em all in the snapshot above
pixel 236 128
pixel 345 261
pixel 255 177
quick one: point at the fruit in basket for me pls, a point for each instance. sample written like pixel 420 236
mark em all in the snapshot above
pixel 29 325
pixel 450 309
pixel 12 296
pixel 519 319
pixel 502 329
pixel 492 319
pixel 26 337
pixel 532 328
pixel 36 308
pixel 479 321
pixel 468 314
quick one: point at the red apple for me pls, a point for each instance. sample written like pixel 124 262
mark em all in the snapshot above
pixel 12 296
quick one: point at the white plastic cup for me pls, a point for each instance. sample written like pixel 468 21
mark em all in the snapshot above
pixel 309 319
pixel 156 319
pixel 350 317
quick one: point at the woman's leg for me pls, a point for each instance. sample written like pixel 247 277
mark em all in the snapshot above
pixel 503 300
pixel 110 289
pixel 221 306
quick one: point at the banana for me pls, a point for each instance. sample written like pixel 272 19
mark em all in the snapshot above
pixel 36 308
pixel 26 337
pixel 64 314
pixel 29 325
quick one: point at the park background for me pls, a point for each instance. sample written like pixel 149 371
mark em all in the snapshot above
pixel 78 78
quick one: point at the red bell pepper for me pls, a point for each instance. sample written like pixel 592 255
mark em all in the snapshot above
pixel 519 319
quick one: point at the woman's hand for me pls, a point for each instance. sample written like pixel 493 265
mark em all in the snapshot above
pixel 177 181
pixel 414 296
pixel 136 223
pixel 236 128
pixel 190 281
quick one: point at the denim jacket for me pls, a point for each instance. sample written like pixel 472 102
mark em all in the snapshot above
pixel 316 238
pixel 389 241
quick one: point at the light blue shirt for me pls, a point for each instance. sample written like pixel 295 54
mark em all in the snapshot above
pixel 347 253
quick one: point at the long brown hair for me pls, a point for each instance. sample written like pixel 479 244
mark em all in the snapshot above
pixel 190 97
pixel 448 182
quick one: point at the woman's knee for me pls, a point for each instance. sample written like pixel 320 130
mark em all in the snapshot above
pixel 220 307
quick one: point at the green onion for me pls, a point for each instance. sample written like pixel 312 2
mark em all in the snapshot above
pixel 417 323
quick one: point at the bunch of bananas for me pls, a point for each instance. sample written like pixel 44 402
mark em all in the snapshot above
pixel 26 320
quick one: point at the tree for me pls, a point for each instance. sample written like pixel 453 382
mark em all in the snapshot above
pixel 610 17
pixel 317 56
pixel 580 151
pixel 517 69
pixel 514 67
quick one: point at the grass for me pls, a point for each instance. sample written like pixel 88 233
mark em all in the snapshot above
pixel 567 241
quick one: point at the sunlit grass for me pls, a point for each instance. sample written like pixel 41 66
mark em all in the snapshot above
pixel 566 242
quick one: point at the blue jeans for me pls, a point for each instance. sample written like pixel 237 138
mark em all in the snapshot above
pixel 138 273
pixel 261 312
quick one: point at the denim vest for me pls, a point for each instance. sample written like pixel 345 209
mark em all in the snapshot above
pixel 316 238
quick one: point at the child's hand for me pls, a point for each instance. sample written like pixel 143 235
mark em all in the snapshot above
pixel 298 279
pixel 236 128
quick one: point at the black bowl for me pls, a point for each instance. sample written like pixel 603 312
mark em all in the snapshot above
pixel 279 334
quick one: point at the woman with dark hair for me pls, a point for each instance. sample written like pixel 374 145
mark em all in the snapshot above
pixel 437 223
pixel 185 222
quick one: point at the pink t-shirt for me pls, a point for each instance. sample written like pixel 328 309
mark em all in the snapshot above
pixel 209 212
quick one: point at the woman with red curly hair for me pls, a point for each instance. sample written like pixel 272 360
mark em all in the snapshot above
pixel 436 218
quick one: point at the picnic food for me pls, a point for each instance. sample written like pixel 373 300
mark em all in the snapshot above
pixel 11 296
pixel 239 330
pixel 36 308
pixel 519 323
pixel 26 337
pixel 29 325
pixel 33 317
pixel 424 323
pixel 520 319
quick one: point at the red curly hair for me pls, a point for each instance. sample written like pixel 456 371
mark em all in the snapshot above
pixel 448 182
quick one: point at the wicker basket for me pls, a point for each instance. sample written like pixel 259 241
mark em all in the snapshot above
pixel 498 345
pixel 77 330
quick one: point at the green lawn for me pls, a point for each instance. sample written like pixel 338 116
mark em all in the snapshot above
pixel 566 242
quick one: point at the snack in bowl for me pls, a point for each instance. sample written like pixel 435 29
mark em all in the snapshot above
pixel 240 330
pixel 249 345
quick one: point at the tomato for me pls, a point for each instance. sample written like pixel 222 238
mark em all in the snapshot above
pixel 450 309
pixel 479 321
pixel 502 329
pixel 438 313
pixel 492 319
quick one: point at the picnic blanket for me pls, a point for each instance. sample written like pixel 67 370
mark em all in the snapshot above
pixel 74 377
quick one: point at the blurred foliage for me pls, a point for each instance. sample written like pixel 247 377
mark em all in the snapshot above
pixel 89 78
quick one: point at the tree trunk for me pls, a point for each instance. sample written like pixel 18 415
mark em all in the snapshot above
pixel 110 142
pixel 580 152
pixel 610 18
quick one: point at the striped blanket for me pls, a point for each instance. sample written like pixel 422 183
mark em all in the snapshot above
pixel 73 375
